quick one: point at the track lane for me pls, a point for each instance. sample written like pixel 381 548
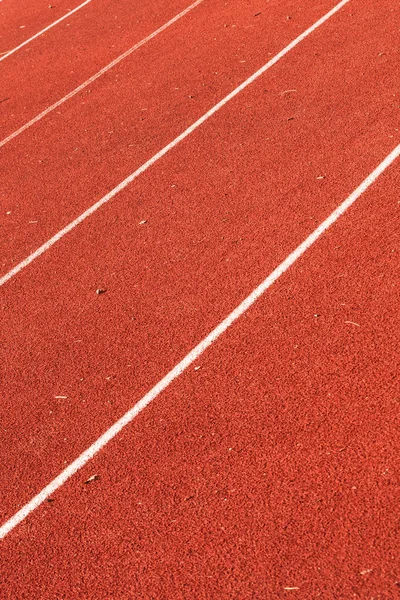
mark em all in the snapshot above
pixel 78 156
pixel 72 52
pixel 85 84
pixel 195 354
pixel 270 467
pixel 168 282
pixel 20 22
pixel 38 34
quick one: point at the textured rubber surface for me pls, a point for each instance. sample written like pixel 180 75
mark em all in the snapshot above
pixel 73 51
pixel 18 24
pixel 274 465
pixel 104 134
pixel 270 466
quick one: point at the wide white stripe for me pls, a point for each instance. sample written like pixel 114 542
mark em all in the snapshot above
pixel 112 64
pixel 196 352
pixel 43 30
pixel 166 148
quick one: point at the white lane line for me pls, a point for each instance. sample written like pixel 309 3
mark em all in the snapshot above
pixel 43 30
pixel 190 358
pixel 58 236
pixel 97 75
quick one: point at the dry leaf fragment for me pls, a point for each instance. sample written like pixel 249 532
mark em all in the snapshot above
pixel 92 478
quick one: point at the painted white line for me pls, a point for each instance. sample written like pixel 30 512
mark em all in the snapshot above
pixel 58 236
pixel 190 358
pixel 43 30
pixel 97 75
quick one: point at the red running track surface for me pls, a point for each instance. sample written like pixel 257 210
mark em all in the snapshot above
pixel 207 242
pixel 273 466
pixel 74 50
pixel 63 164
pixel 20 23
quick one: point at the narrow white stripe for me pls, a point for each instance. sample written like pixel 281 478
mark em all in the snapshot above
pixel 97 75
pixel 44 30
pixel 166 149
pixel 196 352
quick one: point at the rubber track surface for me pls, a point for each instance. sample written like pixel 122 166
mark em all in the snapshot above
pixel 74 50
pixel 207 242
pixel 247 477
pixel 62 165
pixel 16 26
pixel 271 466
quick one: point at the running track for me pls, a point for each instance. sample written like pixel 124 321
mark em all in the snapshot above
pixel 269 467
